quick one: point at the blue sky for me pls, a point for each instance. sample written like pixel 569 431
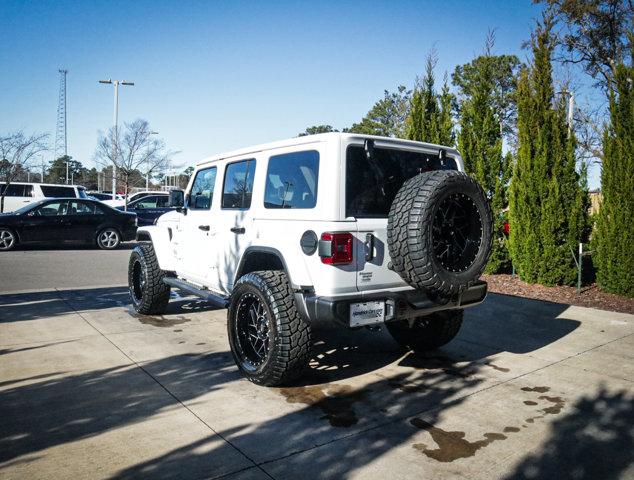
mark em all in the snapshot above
pixel 214 76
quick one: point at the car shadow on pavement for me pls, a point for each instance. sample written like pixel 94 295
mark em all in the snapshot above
pixel 326 405
pixel 15 307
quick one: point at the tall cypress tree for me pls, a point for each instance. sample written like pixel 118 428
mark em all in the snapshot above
pixel 480 143
pixel 615 223
pixel 430 116
pixel 546 198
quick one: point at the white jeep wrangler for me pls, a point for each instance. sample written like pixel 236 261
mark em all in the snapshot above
pixel 325 230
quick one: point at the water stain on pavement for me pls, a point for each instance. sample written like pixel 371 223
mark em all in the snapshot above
pixel 558 405
pixel 158 320
pixel 334 400
pixel 451 445
pixel 511 429
pixel 529 402
pixel 536 389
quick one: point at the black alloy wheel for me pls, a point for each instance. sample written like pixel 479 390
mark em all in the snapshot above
pixel 456 232
pixel 253 330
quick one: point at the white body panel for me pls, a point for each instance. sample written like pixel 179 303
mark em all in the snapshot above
pixel 211 257
pixel 36 194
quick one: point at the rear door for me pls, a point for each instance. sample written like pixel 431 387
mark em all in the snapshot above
pixel 234 221
pixel 82 220
pixel 16 196
pixel 372 182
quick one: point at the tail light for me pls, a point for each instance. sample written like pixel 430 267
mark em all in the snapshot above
pixel 335 248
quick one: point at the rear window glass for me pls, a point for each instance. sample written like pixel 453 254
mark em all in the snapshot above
pixel 372 184
pixel 238 185
pixel 291 180
pixel 61 192
pixel 14 190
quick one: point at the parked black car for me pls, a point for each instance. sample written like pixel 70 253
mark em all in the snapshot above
pixel 67 220
pixel 149 208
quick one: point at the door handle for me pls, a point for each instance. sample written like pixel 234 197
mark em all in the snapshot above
pixel 238 230
pixel 204 228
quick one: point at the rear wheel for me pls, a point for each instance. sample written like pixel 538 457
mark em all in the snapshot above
pixel 270 341
pixel 149 294
pixel 427 333
pixel 7 239
pixel 108 239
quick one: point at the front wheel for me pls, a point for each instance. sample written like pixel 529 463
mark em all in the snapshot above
pixel 149 294
pixel 7 239
pixel 108 239
pixel 270 341
pixel 426 333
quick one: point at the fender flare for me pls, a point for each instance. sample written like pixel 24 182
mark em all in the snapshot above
pixel 270 251
pixel 160 237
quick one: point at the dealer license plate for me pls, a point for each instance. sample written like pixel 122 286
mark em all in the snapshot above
pixel 367 313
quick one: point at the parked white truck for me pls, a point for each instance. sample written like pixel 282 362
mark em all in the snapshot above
pixel 326 230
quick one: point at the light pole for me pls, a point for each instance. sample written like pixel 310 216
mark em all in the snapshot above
pixel 147 176
pixel 115 120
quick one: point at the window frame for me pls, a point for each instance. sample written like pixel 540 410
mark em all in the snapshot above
pixel 222 194
pixel 211 200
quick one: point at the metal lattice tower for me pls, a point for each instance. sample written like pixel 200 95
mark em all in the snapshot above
pixel 60 131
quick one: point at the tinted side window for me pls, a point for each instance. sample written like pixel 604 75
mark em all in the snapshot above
pixel 291 180
pixel 162 201
pixel 61 192
pixel 147 202
pixel 202 193
pixel 53 209
pixel 14 190
pixel 372 184
pixel 81 208
pixel 238 185
pixel 28 190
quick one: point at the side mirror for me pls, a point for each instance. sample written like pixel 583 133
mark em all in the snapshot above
pixel 177 198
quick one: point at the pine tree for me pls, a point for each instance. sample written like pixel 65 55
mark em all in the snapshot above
pixel 425 112
pixel 480 143
pixel 446 134
pixel 615 223
pixel 546 197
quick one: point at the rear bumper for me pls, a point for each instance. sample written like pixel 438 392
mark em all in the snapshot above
pixel 335 311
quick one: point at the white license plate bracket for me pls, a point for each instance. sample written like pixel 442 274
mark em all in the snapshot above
pixel 367 313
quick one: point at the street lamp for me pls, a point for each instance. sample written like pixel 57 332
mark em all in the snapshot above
pixel 147 175
pixel 115 120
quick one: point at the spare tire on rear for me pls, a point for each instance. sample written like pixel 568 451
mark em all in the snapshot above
pixel 439 232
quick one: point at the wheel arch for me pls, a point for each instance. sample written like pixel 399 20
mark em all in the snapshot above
pixel 160 238
pixel 14 230
pixel 263 258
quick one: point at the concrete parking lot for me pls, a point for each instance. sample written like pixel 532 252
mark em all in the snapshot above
pixel 89 389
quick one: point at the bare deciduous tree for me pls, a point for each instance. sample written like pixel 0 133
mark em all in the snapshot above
pixel 16 151
pixel 137 150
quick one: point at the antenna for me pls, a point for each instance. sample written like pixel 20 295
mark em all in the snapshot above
pixel 60 131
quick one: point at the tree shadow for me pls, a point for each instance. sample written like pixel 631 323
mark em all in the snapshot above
pixel 59 410
pixel 15 307
pixel 594 441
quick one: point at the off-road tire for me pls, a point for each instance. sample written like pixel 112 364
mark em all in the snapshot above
pixel 288 334
pixel 8 239
pixel 426 333
pixel 410 232
pixel 152 297
pixel 104 243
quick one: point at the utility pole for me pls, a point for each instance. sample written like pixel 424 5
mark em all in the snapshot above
pixel 147 176
pixel 115 121
pixel 61 145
